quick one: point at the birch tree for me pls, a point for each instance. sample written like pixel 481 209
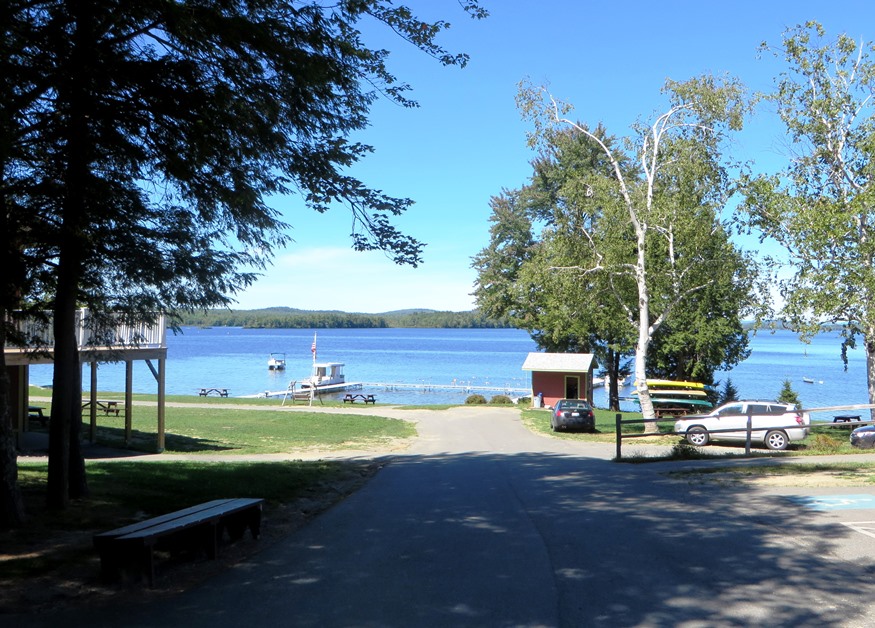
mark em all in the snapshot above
pixel 821 207
pixel 669 205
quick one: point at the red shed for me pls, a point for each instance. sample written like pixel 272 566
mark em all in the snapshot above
pixel 560 376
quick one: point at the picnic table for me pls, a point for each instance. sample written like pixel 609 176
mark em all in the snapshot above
pixel 108 406
pixel 36 412
pixel 845 418
pixel 350 398
pixel 206 392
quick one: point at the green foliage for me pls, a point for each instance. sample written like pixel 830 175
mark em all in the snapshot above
pixel 502 400
pixel 819 207
pixel 475 400
pixel 728 393
pixel 568 251
pixel 685 451
pixel 788 395
pixel 290 318
pixel 142 143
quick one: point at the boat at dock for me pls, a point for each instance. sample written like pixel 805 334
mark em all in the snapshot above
pixel 326 377
pixel 276 362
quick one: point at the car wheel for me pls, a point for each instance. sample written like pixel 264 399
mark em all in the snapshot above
pixel 553 426
pixel 777 440
pixel 698 436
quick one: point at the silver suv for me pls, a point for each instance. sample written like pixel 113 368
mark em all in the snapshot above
pixel 774 424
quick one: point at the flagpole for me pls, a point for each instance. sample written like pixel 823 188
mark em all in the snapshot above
pixel 313 377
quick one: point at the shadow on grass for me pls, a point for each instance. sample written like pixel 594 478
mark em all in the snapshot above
pixel 147 443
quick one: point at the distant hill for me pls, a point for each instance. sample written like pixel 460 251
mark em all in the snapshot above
pixel 292 318
pixel 292 310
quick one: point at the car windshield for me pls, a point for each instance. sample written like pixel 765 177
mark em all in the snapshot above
pixel 730 410
pixel 575 403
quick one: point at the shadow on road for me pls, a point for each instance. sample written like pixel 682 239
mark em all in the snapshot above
pixel 537 540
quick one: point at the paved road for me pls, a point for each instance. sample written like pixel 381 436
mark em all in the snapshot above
pixel 482 523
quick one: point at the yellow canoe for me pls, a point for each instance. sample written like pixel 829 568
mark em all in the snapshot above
pixel 670 383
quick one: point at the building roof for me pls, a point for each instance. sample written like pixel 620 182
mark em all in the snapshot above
pixel 560 362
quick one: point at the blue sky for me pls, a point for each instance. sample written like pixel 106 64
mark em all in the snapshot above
pixel 466 141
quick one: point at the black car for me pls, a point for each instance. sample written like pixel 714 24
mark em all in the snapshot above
pixel 863 437
pixel 572 414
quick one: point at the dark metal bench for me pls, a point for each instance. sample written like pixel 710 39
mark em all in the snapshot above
pixel 202 526
pixel 206 392
pixel 350 398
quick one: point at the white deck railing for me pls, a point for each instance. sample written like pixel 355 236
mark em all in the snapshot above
pixel 123 335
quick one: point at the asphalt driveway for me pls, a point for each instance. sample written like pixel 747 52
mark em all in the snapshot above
pixel 482 523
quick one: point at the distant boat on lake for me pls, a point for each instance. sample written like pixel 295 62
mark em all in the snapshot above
pixel 276 362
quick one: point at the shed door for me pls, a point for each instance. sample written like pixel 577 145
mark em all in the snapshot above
pixel 572 387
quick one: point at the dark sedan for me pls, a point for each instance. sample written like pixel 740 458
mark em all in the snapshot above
pixel 571 414
pixel 863 437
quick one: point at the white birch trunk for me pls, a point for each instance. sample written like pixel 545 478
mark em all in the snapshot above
pixel 870 368
pixel 643 344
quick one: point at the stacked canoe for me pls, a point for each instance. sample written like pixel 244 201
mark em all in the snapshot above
pixel 671 397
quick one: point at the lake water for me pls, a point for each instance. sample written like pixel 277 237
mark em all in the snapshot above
pixel 236 359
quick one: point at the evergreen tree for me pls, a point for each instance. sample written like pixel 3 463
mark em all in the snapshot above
pixel 788 395
pixel 728 393
pixel 145 139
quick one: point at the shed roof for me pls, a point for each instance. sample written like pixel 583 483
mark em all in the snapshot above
pixel 559 362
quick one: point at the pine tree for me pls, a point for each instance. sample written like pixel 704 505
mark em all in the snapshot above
pixel 788 395
pixel 728 393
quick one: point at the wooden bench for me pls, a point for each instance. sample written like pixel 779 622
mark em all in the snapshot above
pixel 201 526
pixel 350 398
pixel 206 392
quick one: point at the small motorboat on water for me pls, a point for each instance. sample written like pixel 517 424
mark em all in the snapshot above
pixel 276 362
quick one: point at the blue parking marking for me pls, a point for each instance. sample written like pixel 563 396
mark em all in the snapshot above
pixel 834 502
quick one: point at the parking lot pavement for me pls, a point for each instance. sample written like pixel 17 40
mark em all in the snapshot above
pixel 482 523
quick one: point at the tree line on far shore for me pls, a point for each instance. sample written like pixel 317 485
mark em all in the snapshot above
pixel 291 318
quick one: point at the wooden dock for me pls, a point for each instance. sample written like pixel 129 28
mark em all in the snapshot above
pixel 304 393
pixel 470 388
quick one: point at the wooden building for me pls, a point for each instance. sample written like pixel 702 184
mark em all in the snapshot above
pixel 128 343
pixel 558 376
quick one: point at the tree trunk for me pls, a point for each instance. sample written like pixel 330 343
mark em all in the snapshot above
pixel 11 504
pixel 870 369
pixel 66 466
pixel 64 396
pixel 643 344
pixel 613 381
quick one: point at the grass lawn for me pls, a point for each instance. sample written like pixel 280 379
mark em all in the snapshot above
pixel 51 560
pixel 538 420
pixel 241 426
pixel 241 431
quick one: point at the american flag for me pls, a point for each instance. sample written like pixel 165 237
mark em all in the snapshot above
pixel 313 347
